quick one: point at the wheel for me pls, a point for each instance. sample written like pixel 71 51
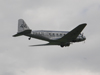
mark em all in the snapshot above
pixel 29 38
pixel 62 45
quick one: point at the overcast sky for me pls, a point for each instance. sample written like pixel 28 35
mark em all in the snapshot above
pixel 17 58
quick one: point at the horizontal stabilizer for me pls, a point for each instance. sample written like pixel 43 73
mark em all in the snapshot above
pixel 22 33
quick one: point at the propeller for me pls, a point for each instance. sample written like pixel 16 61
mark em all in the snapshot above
pixel 71 42
pixel 29 38
pixel 82 34
pixel 84 41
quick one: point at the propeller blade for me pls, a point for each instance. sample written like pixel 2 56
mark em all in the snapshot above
pixel 82 34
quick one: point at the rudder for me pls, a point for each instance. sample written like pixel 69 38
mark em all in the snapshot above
pixel 23 29
pixel 22 26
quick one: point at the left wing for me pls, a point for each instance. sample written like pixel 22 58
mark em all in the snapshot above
pixel 51 43
pixel 73 34
pixel 41 44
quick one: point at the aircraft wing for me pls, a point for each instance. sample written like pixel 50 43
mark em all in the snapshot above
pixel 51 43
pixel 72 34
pixel 40 45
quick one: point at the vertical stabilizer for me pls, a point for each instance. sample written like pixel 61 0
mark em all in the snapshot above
pixel 22 26
pixel 23 29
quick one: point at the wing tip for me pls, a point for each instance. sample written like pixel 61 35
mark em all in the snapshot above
pixel 83 24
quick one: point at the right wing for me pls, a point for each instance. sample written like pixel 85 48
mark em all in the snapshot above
pixel 73 34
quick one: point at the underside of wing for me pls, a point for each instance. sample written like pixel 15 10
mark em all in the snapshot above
pixel 51 43
pixel 40 45
pixel 73 34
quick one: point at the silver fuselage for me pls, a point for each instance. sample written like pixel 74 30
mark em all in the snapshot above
pixel 53 35
pixel 62 38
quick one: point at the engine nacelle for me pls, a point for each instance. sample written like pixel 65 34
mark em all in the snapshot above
pixel 65 44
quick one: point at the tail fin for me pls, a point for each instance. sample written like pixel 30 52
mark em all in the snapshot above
pixel 22 28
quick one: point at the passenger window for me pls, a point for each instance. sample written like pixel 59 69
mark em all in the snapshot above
pixel 50 34
pixel 40 33
pixel 53 34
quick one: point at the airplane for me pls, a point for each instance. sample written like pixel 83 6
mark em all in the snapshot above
pixel 61 38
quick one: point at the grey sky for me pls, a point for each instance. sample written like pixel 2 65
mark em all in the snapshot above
pixel 17 58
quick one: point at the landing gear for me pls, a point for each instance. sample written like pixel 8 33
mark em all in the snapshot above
pixel 29 38
pixel 62 45
pixel 65 44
